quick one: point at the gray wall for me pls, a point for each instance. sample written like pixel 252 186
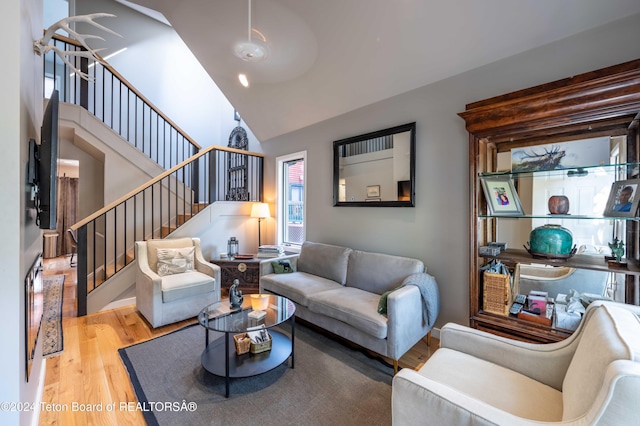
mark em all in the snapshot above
pixel 437 229
pixel 20 118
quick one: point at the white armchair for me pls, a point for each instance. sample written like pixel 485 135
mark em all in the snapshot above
pixel 477 378
pixel 181 288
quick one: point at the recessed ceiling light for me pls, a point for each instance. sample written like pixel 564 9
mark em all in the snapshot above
pixel 243 80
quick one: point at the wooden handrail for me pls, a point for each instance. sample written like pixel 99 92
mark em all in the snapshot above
pixel 157 179
pixel 133 89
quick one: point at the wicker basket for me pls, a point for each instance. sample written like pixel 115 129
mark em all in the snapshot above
pixel 243 343
pixel 498 293
pixel 256 348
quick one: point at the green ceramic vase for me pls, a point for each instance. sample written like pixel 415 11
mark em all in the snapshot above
pixel 551 240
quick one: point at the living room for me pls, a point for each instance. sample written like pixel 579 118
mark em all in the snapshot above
pixel 437 236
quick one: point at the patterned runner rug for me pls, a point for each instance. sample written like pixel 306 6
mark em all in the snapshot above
pixel 52 339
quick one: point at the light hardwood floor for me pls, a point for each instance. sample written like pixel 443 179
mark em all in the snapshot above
pixel 89 370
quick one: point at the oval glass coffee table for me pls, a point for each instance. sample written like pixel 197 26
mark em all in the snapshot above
pixel 219 356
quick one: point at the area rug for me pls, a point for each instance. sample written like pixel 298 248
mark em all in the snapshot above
pixel 52 341
pixel 331 384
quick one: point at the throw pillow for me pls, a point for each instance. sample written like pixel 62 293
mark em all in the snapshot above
pixel 282 266
pixel 382 303
pixel 175 260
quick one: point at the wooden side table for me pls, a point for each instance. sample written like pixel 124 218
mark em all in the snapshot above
pixel 247 271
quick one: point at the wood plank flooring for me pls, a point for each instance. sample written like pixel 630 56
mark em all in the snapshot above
pixel 89 370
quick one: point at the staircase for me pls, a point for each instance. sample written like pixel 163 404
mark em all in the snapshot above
pixel 194 178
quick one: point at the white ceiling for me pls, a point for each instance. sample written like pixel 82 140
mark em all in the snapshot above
pixel 328 57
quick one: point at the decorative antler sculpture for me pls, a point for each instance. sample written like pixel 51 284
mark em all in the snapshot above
pixel 42 45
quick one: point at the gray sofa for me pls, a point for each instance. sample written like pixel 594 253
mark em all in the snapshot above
pixel 339 289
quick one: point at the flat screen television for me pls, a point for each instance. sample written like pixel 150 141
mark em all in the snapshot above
pixel 47 170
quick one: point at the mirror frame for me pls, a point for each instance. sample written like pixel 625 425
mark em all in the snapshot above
pixel 410 127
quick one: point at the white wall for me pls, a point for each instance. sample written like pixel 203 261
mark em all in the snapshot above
pixel 159 64
pixel 437 229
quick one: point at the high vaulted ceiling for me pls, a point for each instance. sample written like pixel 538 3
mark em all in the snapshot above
pixel 328 57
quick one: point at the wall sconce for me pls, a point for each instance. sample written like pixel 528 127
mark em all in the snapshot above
pixel 261 211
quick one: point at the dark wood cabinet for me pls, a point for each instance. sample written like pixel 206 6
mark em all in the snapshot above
pixel 601 103
pixel 247 271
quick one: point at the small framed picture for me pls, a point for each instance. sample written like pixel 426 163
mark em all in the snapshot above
pixel 373 191
pixel 623 199
pixel 501 196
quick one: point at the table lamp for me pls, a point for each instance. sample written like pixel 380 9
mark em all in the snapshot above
pixel 261 211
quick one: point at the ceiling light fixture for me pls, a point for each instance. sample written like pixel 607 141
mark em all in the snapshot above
pixel 243 80
pixel 248 50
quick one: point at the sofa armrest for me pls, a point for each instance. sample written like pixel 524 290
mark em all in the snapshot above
pixel 545 363
pixel 404 320
pixel 210 269
pixel 266 268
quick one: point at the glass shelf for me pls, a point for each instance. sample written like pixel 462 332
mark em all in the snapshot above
pixel 555 217
pixel 626 168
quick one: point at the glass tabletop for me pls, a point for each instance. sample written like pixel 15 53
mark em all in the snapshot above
pixel 220 317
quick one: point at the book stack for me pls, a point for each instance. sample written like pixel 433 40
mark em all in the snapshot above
pixel 266 252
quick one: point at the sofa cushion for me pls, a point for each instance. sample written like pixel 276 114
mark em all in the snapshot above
pixel 353 306
pixel 610 333
pixel 154 245
pixel 324 260
pixel 297 286
pixel 377 272
pixel 180 286
pixel 494 385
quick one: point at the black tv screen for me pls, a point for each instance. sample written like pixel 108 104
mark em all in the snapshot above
pixel 48 165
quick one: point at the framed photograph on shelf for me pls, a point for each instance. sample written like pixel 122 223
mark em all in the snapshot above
pixel 623 199
pixel 501 196
pixel 373 191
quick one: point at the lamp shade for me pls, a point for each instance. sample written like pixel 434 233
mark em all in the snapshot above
pixel 260 210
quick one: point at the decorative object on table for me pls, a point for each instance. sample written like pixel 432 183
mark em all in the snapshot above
pixel 235 295
pixel 261 211
pixel 260 339
pixel 489 251
pixel 558 204
pixel 259 302
pixel 270 251
pixel 623 199
pixel 232 247
pixel 242 342
pixel 551 242
pixel 502 198
pixel 500 287
pixel 617 251
pixel 243 256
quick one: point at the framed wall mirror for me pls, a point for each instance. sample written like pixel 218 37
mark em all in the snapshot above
pixel 376 169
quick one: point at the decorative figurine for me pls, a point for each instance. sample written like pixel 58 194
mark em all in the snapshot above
pixel 235 295
pixel 617 249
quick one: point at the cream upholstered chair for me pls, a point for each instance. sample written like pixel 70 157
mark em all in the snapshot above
pixel 173 281
pixel 476 378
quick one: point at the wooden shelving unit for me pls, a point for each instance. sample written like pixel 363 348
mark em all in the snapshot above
pixel 605 102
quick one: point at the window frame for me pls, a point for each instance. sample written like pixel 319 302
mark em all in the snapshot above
pixel 281 197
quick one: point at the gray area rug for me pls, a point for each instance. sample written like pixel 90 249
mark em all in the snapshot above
pixel 331 384
pixel 53 341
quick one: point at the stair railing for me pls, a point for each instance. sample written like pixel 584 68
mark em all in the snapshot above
pixel 114 101
pixel 106 238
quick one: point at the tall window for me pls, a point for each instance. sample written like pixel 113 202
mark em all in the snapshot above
pixel 291 198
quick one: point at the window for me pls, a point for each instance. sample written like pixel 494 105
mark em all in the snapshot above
pixel 291 196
